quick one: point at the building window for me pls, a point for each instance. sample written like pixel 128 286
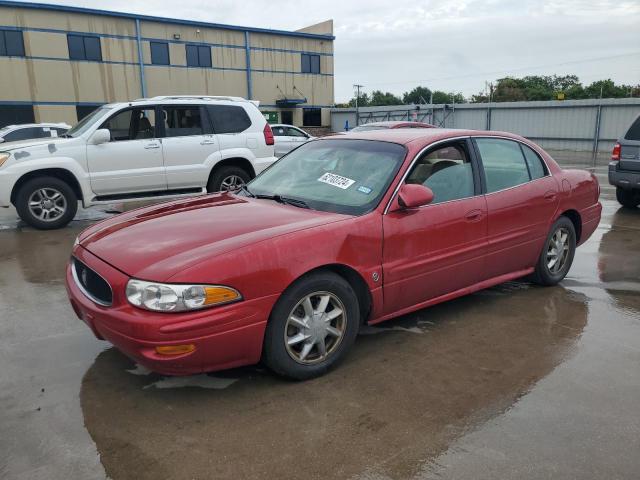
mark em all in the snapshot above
pixel 311 117
pixel 159 53
pixel 310 63
pixel 84 110
pixel 11 43
pixel 16 114
pixel 198 56
pixel 84 47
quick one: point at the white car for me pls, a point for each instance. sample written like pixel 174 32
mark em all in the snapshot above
pixel 159 147
pixel 288 137
pixel 28 131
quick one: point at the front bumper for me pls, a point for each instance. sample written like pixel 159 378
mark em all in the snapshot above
pixel 623 178
pixel 225 337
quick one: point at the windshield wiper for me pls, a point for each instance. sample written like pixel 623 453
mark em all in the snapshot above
pixel 244 188
pixel 285 200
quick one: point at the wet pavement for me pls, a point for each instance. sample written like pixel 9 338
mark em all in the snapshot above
pixel 517 381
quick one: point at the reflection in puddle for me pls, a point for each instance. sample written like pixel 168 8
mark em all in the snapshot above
pixel 397 401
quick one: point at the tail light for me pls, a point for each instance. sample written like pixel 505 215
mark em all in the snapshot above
pixel 615 155
pixel 268 134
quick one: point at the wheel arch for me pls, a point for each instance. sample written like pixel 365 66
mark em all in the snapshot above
pixel 357 282
pixel 576 219
pixel 241 162
pixel 61 173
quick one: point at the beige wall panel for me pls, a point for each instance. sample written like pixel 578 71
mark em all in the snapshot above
pixel 286 61
pixel 193 81
pixel 317 88
pixel 326 116
pixel 56 114
pixel 229 57
pixel 43 44
pixel 76 22
pixel 119 50
pixel 264 40
pixel 189 33
pixel 51 80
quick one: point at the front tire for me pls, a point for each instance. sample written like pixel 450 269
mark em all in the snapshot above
pixel 629 198
pixel 228 178
pixel 46 203
pixel 312 326
pixel 557 254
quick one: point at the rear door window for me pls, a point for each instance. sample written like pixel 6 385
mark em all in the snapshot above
pixel 503 163
pixel 182 121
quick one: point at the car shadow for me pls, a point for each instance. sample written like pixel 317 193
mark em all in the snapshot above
pixel 407 390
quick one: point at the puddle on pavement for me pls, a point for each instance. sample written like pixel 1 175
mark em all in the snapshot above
pixel 399 399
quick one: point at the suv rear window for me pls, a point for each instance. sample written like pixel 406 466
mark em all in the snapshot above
pixel 228 118
pixel 634 131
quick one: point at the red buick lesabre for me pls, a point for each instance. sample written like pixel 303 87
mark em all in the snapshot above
pixel 341 232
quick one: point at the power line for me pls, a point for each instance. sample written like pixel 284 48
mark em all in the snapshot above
pixel 484 74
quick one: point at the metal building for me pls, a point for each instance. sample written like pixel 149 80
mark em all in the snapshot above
pixel 59 62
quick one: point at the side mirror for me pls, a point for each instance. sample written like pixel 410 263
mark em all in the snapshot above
pixel 100 136
pixel 414 196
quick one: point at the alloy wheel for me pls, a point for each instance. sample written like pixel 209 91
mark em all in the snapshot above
pixel 47 204
pixel 231 183
pixel 558 250
pixel 315 327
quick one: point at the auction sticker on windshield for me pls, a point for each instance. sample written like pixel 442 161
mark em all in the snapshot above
pixel 336 180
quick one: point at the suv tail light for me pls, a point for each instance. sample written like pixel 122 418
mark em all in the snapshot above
pixel 615 155
pixel 268 134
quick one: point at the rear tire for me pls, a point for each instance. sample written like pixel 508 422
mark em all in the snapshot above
pixel 46 203
pixel 227 178
pixel 304 340
pixel 557 254
pixel 629 198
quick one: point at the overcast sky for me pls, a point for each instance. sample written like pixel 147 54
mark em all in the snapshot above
pixel 452 45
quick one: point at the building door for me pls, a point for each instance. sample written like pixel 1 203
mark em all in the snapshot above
pixel 287 117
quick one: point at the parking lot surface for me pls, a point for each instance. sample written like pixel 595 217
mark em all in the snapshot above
pixel 517 381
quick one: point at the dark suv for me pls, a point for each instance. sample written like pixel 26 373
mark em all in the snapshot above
pixel 624 168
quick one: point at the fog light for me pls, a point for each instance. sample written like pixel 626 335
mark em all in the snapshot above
pixel 175 349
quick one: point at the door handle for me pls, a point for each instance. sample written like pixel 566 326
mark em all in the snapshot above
pixel 207 142
pixel 550 196
pixel 152 145
pixel 473 215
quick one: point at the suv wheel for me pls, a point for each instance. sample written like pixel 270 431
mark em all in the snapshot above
pixel 227 179
pixel 46 203
pixel 629 198
pixel 312 326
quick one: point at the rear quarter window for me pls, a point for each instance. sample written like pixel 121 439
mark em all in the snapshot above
pixel 536 166
pixel 228 118
pixel 634 131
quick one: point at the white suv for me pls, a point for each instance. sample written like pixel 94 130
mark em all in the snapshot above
pixel 148 148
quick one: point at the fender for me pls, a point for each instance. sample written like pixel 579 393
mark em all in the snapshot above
pixel 228 153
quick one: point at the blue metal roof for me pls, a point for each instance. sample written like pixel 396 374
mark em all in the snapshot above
pixel 133 16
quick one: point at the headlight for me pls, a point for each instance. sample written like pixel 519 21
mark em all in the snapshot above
pixel 4 157
pixel 160 297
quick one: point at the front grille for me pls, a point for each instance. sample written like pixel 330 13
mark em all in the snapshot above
pixel 92 285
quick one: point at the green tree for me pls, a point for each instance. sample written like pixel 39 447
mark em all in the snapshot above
pixel 417 95
pixel 607 88
pixel 384 98
pixel 447 97
pixel 363 100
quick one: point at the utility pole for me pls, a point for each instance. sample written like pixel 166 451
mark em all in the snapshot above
pixel 357 87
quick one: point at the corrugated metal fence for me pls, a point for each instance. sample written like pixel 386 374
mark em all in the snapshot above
pixel 580 132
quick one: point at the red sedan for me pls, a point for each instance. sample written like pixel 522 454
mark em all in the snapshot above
pixel 390 124
pixel 343 231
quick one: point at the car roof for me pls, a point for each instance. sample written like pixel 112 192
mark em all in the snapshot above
pixel 391 123
pixel 424 135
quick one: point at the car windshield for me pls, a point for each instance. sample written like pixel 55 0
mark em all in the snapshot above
pixel 84 124
pixel 341 176
pixel 365 128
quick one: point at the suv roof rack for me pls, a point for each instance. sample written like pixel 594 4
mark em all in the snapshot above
pixel 198 97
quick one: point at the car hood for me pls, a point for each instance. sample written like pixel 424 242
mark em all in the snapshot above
pixel 157 242
pixel 35 142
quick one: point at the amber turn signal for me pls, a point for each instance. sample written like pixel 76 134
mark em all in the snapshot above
pixel 175 349
pixel 216 295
